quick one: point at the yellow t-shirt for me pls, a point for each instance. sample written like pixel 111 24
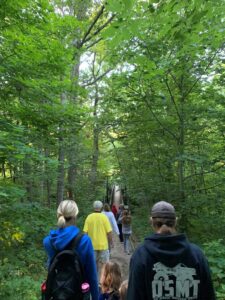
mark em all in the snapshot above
pixel 97 226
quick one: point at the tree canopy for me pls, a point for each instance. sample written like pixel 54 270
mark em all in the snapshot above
pixel 95 93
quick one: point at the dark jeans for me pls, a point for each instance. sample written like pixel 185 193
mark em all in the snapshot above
pixel 121 234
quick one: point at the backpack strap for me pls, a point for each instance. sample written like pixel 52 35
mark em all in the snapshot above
pixel 75 241
pixel 72 244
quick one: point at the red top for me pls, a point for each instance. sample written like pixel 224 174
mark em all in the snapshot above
pixel 114 210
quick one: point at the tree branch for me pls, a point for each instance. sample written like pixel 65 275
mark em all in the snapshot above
pixel 197 80
pixel 172 98
pixel 94 43
pixel 208 188
pixel 96 79
pixel 203 173
pixel 91 26
pixel 157 119
pixel 99 29
pixel 174 79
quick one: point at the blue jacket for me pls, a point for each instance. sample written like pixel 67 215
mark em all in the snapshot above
pixel 169 267
pixel 60 238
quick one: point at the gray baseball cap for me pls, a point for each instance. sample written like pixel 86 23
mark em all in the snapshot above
pixel 163 209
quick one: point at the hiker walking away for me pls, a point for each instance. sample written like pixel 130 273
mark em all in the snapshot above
pixel 98 227
pixel 110 281
pixel 126 230
pixel 106 211
pixel 67 232
pixel 167 265
pixel 111 217
pixel 114 210
pixel 119 221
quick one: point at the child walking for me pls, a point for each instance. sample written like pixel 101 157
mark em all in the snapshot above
pixel 110 281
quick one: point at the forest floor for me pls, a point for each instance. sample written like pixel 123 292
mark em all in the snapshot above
pixel 118 255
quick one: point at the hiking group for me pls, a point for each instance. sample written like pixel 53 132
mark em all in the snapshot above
pixel 165 266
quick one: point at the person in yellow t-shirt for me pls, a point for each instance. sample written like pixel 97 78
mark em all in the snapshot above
pixel 99 229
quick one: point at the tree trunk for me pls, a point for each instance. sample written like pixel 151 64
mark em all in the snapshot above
pixel 3 170
pixel 71 176
pixel 71 171
pixel 181 145
pixel 95 151
pixel 60 179
pixel 27 177
pixel 61 158
pixel 94 165
pixel 78 8
pixel 47 181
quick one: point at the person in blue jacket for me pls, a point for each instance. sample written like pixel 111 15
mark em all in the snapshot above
pixel 59 238
pixel 167 265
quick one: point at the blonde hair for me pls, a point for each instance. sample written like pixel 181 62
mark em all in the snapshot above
pixel 110 277
pixel 66 211
pixel 123 290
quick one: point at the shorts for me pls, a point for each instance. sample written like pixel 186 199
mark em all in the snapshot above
pixel 101 256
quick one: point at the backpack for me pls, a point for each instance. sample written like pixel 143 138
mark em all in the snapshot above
pixel 66 274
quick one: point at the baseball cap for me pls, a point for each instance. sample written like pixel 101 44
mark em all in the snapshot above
pixel 163 209
pixel 97 204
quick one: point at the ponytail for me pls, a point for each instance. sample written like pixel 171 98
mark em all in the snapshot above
pixel 61 222
pixel 66 213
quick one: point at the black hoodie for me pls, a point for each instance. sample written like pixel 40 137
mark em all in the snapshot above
pixel 168 267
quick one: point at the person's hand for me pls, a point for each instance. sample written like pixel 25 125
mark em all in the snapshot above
pixel 111 245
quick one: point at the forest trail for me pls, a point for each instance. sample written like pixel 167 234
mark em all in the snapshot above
pixel 118 255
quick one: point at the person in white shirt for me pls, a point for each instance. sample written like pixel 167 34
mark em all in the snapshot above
pixel 107 211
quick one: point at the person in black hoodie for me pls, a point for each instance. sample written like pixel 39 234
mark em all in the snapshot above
pixel 167 266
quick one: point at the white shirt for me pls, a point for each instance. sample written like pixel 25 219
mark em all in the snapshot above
pixel 112 221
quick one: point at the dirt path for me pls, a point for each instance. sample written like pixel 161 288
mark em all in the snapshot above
pixel 118 255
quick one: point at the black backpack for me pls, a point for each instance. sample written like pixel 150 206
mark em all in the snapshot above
pixel 66 274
